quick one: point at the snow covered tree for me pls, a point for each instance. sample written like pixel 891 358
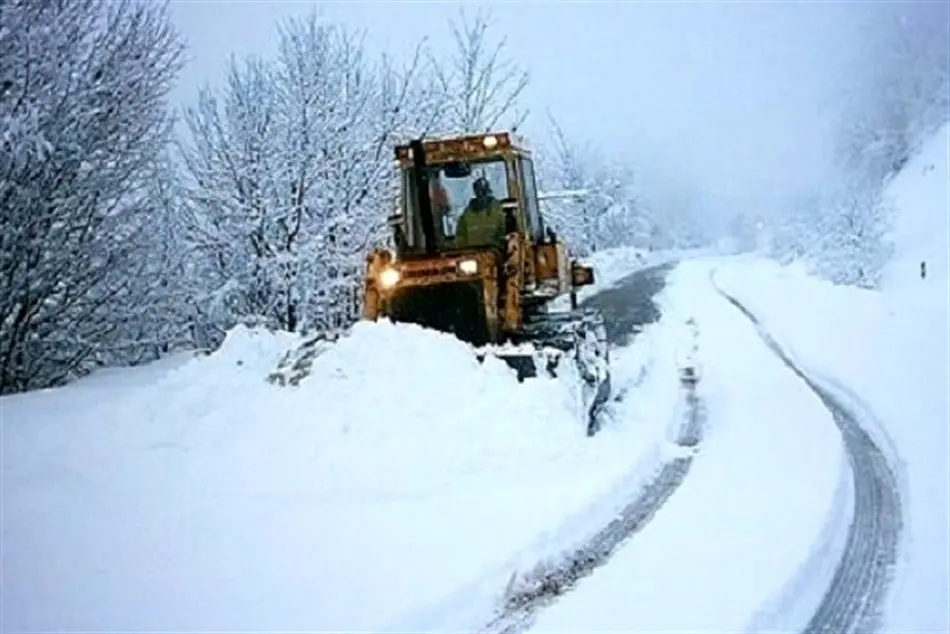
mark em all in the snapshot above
pixel 84 120
pixel 899 91
pixel 743 230
pixel 610 213
pixel 795 231
pixel 852 243
pixel 161 289
pixel 840 234
pixel 291 176
pixel 896 95
pixel 614 212
pixel 480 87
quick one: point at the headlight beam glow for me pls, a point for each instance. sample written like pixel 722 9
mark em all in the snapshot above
pixel 389 277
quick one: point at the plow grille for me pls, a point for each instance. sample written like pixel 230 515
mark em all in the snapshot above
pixel 456 307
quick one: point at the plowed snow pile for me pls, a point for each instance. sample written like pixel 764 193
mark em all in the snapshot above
pixel 196 496
pixel 417 406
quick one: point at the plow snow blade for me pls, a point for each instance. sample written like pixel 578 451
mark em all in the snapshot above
pixel 570 346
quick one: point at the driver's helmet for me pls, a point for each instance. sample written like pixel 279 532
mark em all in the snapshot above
pixel 481 187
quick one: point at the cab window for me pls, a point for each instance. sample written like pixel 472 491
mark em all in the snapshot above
pixel 535 224
pixel 451 189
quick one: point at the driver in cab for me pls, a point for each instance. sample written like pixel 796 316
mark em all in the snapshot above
pixel 482 223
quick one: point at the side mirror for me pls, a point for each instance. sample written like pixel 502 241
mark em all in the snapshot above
pixel 397 225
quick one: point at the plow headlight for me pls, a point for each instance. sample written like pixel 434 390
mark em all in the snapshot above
pixel 468 267
pixel 389 277
pixel 490 141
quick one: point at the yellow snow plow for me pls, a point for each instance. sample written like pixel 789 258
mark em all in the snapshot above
pixel 474 257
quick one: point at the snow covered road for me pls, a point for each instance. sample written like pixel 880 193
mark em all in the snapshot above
pixel 765 493
pixel 540 590
pixel 885 354
pixel 825 568
pixel 854 598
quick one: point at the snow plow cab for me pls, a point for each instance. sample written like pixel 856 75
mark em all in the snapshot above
pixel 473 257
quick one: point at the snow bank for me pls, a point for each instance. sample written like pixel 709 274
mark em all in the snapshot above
pixel 753 507
pixel 399 473
pixel 892 349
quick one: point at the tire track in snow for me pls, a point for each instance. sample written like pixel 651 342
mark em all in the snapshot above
pixel 854 598
pixel 627 308
pixel 548 585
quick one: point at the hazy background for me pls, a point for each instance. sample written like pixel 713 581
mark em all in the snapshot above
pixel 723 104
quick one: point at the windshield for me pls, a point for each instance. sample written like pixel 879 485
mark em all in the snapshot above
pixel 452 188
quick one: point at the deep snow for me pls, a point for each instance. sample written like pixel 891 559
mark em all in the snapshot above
pixel 890 348
pixel 194 495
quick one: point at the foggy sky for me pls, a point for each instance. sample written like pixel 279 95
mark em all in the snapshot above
pixel 728 103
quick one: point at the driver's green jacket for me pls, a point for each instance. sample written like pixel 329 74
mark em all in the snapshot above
pixel 481 225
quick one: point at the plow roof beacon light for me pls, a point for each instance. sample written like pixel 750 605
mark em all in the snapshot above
pixel 389 277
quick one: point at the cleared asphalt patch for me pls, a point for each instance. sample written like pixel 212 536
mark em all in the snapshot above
pixel 629 305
